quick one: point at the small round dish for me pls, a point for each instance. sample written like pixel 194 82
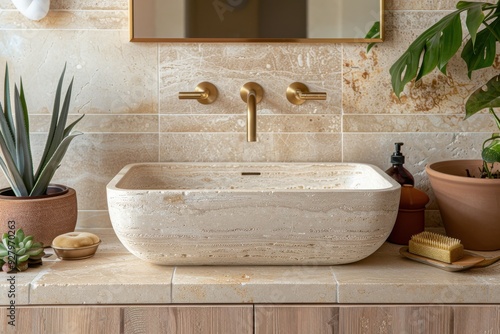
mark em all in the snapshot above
pixel 76 253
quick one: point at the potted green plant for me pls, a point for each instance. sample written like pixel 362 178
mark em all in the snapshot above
pixel 18 251
pixel 31 202
pixel 467 191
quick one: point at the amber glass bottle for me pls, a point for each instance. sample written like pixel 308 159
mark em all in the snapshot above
pixel 397 171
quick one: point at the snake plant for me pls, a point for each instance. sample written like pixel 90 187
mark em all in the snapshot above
pixel 16 159
pixel 18 250
pixel 439 43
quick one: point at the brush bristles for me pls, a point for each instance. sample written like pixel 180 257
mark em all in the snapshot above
pixel 436 246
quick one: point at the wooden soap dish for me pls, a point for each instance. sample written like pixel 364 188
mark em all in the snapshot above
pixel 470 260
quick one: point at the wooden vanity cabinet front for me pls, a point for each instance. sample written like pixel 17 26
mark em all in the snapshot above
pixel 249 318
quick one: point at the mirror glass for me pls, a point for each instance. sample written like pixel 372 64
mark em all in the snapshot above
pixel 254 20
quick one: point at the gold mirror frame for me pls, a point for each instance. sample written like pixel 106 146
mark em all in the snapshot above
pixel 255 40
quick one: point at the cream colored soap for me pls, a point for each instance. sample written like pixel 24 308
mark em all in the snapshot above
pixel 75 240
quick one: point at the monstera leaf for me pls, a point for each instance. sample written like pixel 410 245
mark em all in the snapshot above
pixel 374 32
pixel 438 44
pixel 487 96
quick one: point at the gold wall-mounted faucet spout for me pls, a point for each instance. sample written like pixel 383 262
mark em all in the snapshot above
pixel 251 93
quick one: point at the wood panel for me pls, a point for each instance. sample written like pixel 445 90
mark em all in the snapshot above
pixel 476 319
pixel 239 319
pixel 62 319
pixel 296 319
pixel 396 319
pixel 189 319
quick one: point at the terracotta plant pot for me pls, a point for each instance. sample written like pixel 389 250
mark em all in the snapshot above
pixel 44 217
pixel 469 206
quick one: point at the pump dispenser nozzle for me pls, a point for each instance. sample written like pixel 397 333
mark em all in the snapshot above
pixel 397 158
pixel 397 171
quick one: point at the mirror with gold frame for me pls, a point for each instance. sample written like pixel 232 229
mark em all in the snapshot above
pixel 256 20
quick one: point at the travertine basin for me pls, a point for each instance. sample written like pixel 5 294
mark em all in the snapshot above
pixel 252 213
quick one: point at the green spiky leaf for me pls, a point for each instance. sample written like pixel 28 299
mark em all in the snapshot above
pixel 16 159
pixel 51 166
pixel 7 103
pixel 10 170
pixel 23 151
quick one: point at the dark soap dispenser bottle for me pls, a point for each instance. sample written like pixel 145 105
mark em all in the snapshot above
pixel 397 171
pixel 411 215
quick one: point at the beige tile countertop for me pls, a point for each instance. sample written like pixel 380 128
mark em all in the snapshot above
pixel 114 276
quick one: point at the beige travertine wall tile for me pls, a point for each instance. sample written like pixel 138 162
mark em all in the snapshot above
pixel 77 4
pixel 422 4
pixel 230 66
pixel 93 159
pixel 367 75
pixel 206 147
pixel 403 21
pixel 64 20
pixel 93 219
pixel 6 4
pixel 89 5
pixel 111 75
pixel 237 123
pixel 419 149
pixel 418 123
pixel 367 86
pixel 109 241
pixel 101 123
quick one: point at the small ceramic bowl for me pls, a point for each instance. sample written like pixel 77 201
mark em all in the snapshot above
pixel 76 253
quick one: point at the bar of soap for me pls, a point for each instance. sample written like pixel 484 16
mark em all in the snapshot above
pixel 75 240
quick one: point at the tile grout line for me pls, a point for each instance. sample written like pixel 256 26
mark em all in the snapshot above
pixel 36 278
pixel 172 285
pixel 337 287
pixel 342 114
pixel 158 78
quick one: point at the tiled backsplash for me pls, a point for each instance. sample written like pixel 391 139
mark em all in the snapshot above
pixel 128 92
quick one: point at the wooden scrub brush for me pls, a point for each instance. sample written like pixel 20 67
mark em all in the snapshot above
pixel 443 252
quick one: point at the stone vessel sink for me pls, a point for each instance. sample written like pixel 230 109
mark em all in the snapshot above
pixel 252 213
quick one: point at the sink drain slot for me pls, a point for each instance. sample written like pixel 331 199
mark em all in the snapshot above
pixel 250 173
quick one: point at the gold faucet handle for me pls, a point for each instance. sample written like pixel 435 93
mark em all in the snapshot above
pixel 205 93
pixel 297 93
